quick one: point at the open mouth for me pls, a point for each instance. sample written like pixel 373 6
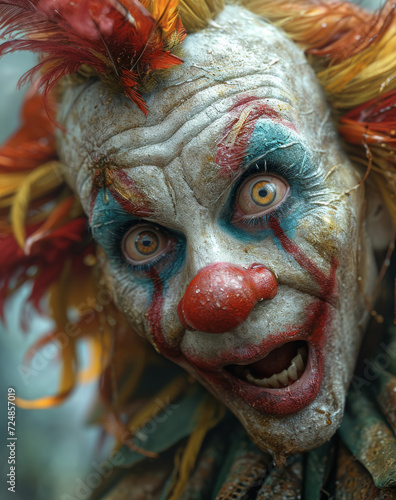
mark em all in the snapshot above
pixel 280 368
pixel 283 381
pixel 280 375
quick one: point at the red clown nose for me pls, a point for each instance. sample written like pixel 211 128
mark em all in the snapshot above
pixel 221 296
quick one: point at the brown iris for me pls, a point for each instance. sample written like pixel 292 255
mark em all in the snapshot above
pixel 146 242
pixel 143 243
pixel 261 193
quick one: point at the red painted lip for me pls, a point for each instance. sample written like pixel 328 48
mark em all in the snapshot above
pixel 281 401
pixel 284 400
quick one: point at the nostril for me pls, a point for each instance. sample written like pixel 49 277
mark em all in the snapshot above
pixel 221 296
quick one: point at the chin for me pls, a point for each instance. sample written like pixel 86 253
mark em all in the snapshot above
pixel 298 432
pixel 298 407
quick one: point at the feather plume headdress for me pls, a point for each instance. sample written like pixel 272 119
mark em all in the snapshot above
pixel 120 41
pixel 44 236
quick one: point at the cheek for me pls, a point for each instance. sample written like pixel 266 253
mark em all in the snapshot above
pixel 160 329
pixel 130 297
pixel 340 233
pixel 132 301
pixel 331 233
pixel 149 306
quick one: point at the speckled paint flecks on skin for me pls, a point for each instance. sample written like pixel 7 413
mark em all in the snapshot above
pixel 240 76
pixel 221 296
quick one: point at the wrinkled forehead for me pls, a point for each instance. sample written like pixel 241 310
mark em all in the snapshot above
pixel 238 71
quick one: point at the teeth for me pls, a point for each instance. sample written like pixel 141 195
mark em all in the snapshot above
pixel 298 362
pixel 273 381
pixel 283 379
pixel 292 372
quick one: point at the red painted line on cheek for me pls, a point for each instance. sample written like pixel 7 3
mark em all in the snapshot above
pixel 154 316
pixel 314 330
pixel 270 402
pixel 327 283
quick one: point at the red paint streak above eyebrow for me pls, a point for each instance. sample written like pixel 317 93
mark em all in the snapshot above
pixel 124 190
pixel 244 115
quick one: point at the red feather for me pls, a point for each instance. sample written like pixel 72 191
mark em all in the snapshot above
pixel 122 42
pixel 373 122
pixel 48 255
pixel 348 29
pixel 34 142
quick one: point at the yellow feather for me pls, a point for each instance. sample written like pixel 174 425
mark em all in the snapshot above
pixel 164 12
pixel 40 403
pixel 209 413
pixel 68 350
pixel 57 298
pixel 82 293
pixel 58 307
pixel 364 76
pixel 196 14
pixel 68 376
pixel 10 183
pixel 100 350
pixel 169 393
pixel 138 362
pixel 39 181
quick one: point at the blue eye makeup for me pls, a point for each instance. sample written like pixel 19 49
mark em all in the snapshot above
pixel 278 179
pixel 134 245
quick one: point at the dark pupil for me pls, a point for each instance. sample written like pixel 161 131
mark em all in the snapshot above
pixel 263 192
pixel 146 241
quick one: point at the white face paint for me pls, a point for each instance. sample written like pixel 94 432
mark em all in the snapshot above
pixel 236 163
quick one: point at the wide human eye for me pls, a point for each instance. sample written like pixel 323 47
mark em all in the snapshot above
pixel 260 195
pixel 136 246
pixel 278 178
pixel 144 243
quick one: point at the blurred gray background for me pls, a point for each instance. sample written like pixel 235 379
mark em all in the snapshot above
pixel 54 447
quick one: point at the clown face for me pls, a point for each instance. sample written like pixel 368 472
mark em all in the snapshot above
pixel 233 237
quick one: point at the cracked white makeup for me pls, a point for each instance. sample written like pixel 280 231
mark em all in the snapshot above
pixel 243 252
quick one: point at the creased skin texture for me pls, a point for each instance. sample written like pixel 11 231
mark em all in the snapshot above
pixel 318 246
